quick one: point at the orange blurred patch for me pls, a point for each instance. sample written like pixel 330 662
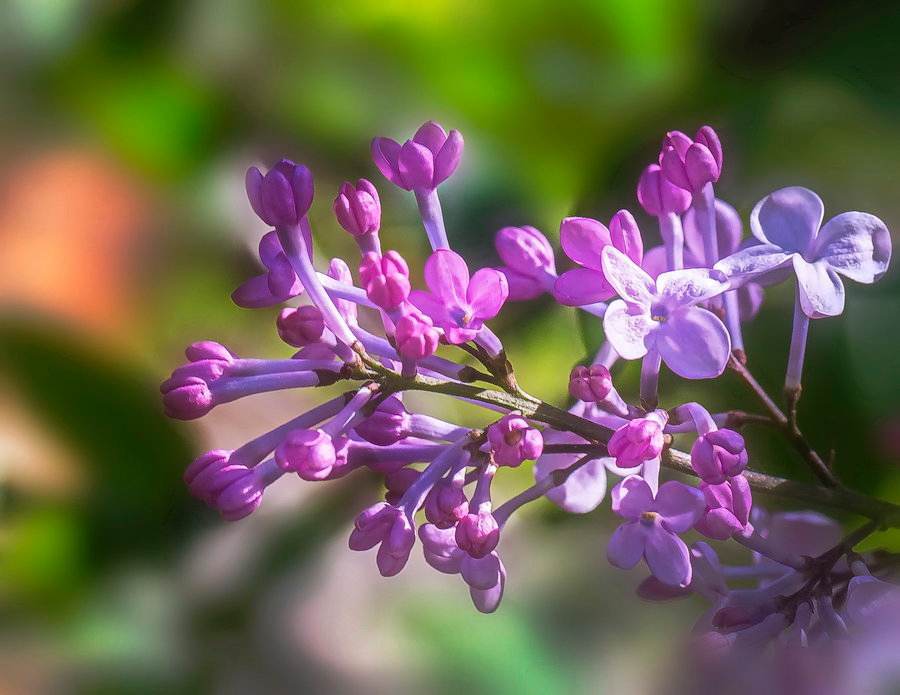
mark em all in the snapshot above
pixel 69 223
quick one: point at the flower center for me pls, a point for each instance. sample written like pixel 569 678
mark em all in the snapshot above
pixel 648 518
pixel 513 437
pixel 659 313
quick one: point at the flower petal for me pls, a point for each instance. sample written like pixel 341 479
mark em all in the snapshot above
pixel 679 505
pixel 632 497
pixel 583 490
pixel 482 572
pixel 626 278
pixel 432 135
pixel 855 244
pixel 521 287
pixel 654 261
pixel 627 332
pixel 821 290
pixel 430 305
pixel 486 293
pixel 687 287
pixel 583 240
pixel 789 218
pixel 447 276
pixel 582 286
pixel 446 161
pixel 384 153
pixel 748 263
pixel 626 545
pixel 487 601
pixel 667 557
pixel 694 343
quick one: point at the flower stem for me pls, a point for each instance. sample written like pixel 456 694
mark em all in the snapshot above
pixel 673 239
pixel 432 218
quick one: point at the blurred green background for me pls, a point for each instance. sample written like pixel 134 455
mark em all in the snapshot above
pixel 125 129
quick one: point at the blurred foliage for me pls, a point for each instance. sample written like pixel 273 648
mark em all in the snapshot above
pixel 561 105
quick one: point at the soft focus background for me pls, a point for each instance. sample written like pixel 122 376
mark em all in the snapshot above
pixel 125 129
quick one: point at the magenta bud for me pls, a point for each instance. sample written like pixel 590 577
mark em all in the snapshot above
pixel 513 440
pixel 283 196
pixel 301 326
pixel 718 455
pixel 309 453
pixel 478 534
pixel 188 398
pixel 385 278
pixel 446 504
pixel 691 164
pixel 658 196
pixel 728 507
pixel 525 250
pixel 590 384
pixel 396 546
pixel 387 425
pixel 398 482
pixel 638 441
pixel 416 336
pixel 208 350
pixel 422 163
pixel 207 370
pixel 358 209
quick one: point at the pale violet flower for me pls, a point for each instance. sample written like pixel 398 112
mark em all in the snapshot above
pixel 662 315
pixel 788 223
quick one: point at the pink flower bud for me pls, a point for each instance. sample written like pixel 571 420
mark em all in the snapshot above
pixel 590 384
pixel 387 425
pixel 283 196
pixel 416 336
pixel 638 441
pixel 478 534
pixel 188 398
pixel 658 196
pixel 388 525
pixel 309 453
pixel 446 504
pixel 385 278
pixel 525 250
pixel 358 209
pixel 301 326
pixel 513 440
pixel 718 455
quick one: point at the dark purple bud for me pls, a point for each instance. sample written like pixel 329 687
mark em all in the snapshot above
pixel 398 482
pixel 590 384
pixel 301 326
pixel 283 196
pixel 446 504
pixel 387 425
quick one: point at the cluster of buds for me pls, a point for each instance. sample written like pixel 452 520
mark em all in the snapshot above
pixel 682 304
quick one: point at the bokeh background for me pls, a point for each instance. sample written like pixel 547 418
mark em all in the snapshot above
pixel 125 129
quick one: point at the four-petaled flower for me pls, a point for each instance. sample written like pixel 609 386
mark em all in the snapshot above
pixel 457 304
pixel 663 315
pixel 583 239
pixel 652 527
pixel 787 223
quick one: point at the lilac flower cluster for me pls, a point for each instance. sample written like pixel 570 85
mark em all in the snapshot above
pixel 683 304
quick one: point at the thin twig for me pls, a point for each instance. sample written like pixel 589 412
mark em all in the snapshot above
pixel 788 427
